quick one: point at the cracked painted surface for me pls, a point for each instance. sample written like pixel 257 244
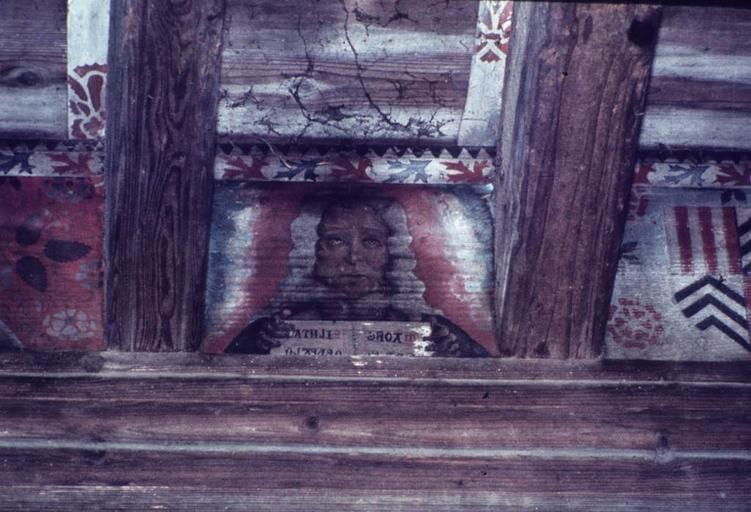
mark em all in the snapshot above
pixel 348 69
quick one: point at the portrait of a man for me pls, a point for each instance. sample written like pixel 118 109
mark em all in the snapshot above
pixel 361 270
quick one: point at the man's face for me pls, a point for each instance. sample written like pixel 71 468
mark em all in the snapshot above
pixel 352 250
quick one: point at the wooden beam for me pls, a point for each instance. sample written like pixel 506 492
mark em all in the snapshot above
pixel 347 433
pixel 143 365
pixel 162 97
pixel 493 415
pixel 69 476
pixel 573 96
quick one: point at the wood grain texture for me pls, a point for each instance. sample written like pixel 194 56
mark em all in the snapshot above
pixel 567 152
pixel 97 431
pixel 33 91
pixel 478 371
pixel 700 94
pixel 678 484
pixel 344 69
pixel 137 498
pixel 368 415
pixel 164 61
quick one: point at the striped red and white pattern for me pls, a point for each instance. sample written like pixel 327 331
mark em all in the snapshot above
pixel 744 237
pixel 703 240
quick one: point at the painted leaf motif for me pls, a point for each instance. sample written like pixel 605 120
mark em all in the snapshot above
pixel 344 168
pixel 29 232
pixel 67 165
pixel 239 169
pixel 63 251
pixel 95 84
pixel 32 272
pixel 78 89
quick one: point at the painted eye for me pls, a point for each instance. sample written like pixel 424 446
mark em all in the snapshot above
pixel 372 243
pixel 334 241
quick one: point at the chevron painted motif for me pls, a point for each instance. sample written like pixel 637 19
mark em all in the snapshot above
pixel 714 304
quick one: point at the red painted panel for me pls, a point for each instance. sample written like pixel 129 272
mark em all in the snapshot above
pixel 51 235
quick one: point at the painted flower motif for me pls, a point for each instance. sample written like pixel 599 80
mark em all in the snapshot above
pixel 635 325
pixel 70 325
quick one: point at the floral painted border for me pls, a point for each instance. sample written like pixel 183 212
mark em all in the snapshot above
pixel 30 158
pixel 705 174
pixel 405 166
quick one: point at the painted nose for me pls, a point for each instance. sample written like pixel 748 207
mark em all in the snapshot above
pixel 353 254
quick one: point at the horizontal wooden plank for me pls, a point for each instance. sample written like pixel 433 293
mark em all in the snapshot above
pixel 139 498
pixel 345 69
pixel 33 90
pixel 700 95
pixel 720 30
pixel 681 480
pixel 685 127
pixel 655 418
pixel 142 365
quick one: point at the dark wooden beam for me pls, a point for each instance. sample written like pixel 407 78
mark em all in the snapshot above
pixel 162 102
pixel 573 100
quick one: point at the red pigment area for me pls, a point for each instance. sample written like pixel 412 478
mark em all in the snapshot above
pixel 51 246
pixel 438 273
pixel 272 243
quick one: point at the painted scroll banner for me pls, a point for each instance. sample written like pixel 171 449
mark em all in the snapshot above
pixel 352 253
pixel 321 338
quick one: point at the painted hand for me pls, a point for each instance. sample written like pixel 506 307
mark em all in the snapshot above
pixel 444 342
pixel 272 330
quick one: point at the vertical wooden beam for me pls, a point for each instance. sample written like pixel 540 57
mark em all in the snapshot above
pixel 572 103
pixel 162 101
